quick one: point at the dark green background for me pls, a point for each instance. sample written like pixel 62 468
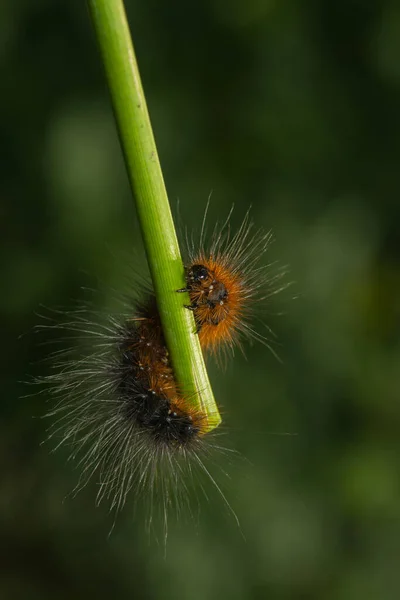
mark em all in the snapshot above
pixel 292 107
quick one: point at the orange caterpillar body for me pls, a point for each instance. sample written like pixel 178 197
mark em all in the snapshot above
pixel 217 301
pixel 227 281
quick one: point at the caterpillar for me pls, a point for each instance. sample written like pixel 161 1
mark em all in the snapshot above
pixel 117 405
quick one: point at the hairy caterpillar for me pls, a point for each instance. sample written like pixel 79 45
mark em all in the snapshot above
pixel 118 407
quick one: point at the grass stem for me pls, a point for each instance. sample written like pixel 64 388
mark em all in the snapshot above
pixel 145 175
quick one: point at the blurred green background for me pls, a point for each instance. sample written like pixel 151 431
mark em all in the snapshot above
pixel 293 108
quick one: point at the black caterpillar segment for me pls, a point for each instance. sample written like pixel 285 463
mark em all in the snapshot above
pixel 147 391
pixel 158 416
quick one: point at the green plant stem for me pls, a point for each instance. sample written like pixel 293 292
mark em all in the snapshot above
pixel 145 175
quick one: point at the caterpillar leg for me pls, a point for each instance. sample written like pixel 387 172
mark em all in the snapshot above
pixel 191 307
